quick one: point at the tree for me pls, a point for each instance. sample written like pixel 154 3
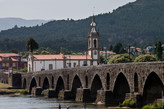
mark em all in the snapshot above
pixel 31 45
pixel 118 48
pixel 102 59
pixel 111 47
pixel 14 50
pixel 122 50
pixel 145 58
pixel 158 50
pixel 121 58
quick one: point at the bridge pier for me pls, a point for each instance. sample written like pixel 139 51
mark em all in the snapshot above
pixel 36 91
pixel 136 97
pixel 101 96
pixel 52 94
pixel 83 95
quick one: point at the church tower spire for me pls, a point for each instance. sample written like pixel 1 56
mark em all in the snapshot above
pixel 93 43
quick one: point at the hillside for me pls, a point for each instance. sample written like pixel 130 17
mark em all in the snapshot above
pixel 140 23
pixel 8 23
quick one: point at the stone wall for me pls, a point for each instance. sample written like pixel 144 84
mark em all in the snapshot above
pixel 107 78
pixel 3 78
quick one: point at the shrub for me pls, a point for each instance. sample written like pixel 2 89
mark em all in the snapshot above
pixel 147 107
pixel 122 58
pixel 145 58
pixel 128 103
pixel 23 70
pixel 154 106
pixel 44 93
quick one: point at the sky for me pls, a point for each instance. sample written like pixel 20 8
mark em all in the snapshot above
pixel 57 9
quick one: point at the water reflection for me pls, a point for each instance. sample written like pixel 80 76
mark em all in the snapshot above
pixel 40 103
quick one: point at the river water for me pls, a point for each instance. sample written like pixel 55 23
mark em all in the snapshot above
pixel 26 102
pixel 7 102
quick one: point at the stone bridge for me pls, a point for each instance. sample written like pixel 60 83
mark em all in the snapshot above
pixel 110 84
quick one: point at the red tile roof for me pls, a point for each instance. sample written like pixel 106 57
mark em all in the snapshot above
pixel 109 52
pixel 8 54
pixel 47 57
pixel 78 57
pixel 60 56
pixel 139 49
pixel 132 47
pixel 13 59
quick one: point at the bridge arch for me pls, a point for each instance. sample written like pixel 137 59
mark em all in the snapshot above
pixel 39 81
pixel 59 85
pixel 95 86
pixel 52 82
pixel 46 84
pixel 75 84
pixel 121 87
pixel 153 88
pixel 136 82
pixel 32 84
pixel 24 83
pixel 108 81
pixel 86 81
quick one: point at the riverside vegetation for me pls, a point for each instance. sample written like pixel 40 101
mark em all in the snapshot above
pixel 6 89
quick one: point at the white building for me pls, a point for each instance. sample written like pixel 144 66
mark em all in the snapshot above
pixel 135 51
pixel 107 53
pixel 59 61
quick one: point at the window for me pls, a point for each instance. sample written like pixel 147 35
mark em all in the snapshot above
pixel 85 63
pixel 95 43
pixel 3 65
pixel 74 64
pixel 14 65
pixel 50 66
pixel 69 64
pixel 7 64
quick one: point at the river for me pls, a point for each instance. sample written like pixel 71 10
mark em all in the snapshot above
pixel 26 102
pixel 7 102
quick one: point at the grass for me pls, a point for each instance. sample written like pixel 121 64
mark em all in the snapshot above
pixel 4 89
pixel 154 106
pixel 128 103
pixel 4 86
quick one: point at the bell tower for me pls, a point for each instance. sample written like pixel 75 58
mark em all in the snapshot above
pixel 93 43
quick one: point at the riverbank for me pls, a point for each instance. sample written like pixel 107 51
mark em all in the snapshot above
pixel 6 89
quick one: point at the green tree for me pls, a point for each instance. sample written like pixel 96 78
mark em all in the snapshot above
pixel 118 48
pixel 31 45
pixel 111 47
pixel 14 50
pixel 145 58
pixel 121 58
pixel 159 50
pixel 102 59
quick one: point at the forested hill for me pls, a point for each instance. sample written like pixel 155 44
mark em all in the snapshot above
pixel 140 23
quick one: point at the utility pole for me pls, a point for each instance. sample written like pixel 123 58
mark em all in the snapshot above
pixel 86 58
pixel 129 51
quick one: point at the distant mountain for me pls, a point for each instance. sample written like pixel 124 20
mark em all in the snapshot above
pixel 140 24
pixel 8 23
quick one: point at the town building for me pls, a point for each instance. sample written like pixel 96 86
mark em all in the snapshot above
pixel 59 61
pixel 107 53
pixel 9 61
pixel 135 51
